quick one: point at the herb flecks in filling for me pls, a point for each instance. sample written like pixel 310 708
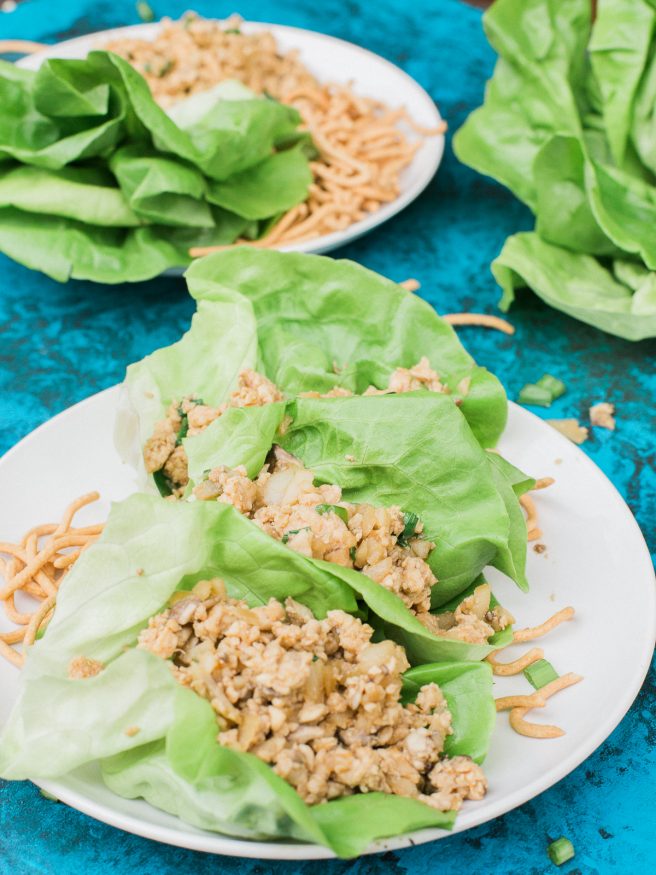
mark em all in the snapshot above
pixel 313 698
pixel 382 542
pixel 164 452
pixel 314 521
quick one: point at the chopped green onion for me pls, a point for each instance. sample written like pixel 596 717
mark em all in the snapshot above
pixel 540 673
pixel 144 11
pixel 553 385
pixel 291 532
pixel 352 554
pixel 536 395
pixel 184 428
pixel 341 512
pixel 410 519
pixel 162 483
pixel 560 851
pixel 166 67
pixel 233 30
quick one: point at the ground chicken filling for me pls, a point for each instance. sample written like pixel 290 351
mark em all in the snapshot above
pixel 382 542
pixel 164 452
pixel 314 698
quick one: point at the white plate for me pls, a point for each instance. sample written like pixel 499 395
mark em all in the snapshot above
pixel 330 60
pixel 596 560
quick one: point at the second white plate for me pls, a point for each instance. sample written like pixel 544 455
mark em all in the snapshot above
pixel 330 60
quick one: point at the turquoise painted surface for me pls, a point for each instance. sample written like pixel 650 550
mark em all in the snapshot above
pixel 59 344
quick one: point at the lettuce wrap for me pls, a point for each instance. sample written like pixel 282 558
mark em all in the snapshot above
pixel 308 323
pixel 149 550
pixel 414 450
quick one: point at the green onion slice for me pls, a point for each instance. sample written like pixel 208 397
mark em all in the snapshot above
pixel 162 483
pixel 540 673
pixel 144 11
pixel 410 519
pixel 291 532
pixel 535 395
pixel 553 385
pixel 341 512
pixel 560 851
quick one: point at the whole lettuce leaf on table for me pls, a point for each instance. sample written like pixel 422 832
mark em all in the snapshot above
pixel 174 760
pixel 84 145
pixel 568 126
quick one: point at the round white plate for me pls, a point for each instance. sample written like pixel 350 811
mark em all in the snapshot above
pixel 596 559
pixel 330 60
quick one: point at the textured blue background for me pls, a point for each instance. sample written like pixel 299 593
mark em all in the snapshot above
pixel 59 344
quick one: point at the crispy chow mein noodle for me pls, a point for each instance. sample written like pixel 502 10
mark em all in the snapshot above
pixel 35 568
pixel 520 705
pixel 361 143
pixel 540 730
pixel 537 631
pixel 507 669
pixel 482 320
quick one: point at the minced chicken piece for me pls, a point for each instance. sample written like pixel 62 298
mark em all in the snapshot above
pixel 314 521
pixel 473 621
pixel 164 452
pixel 456 779
pixel 602 415
pixel 313 698
pixel 83 667
pixel 419 376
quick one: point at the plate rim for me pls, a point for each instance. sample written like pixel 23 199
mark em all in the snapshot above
pixel 326 242
pixel 219 843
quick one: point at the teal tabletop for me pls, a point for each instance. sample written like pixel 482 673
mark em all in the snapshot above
pixel 61 343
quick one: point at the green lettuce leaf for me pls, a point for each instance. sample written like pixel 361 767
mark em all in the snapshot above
pixel 531 96
pixel 619 50
pixel 160 189
pixel 576 284
pixel 416 451
pixel 205 363
pixel 31 128
pixel 275 185
pixel 569 126
pixel 67 249
pixel 231 137
pixel 241 436
pixel 85 194
pixel 322 322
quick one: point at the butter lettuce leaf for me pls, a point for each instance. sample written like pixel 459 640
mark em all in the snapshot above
pixel 577 284
pixel 568 124
pixel 322 323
